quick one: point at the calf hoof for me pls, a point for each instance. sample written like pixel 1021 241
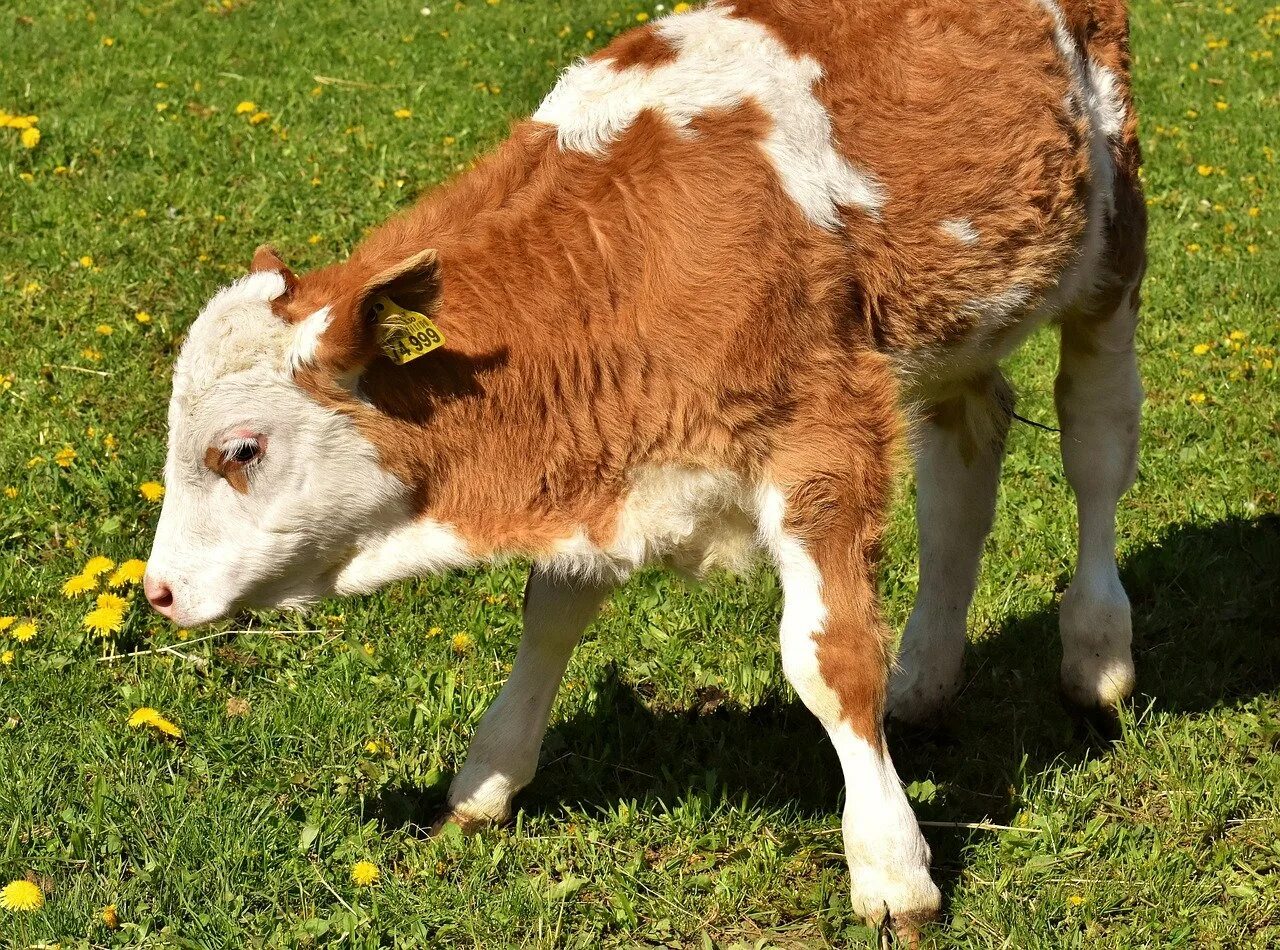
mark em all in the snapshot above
pixel 1097 682
pixel 467 824
pixel 900 901
pixel 1097 630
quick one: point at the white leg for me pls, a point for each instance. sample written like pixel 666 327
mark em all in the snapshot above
pixel 504 753
pixel 1099 399
pixel 959 446
pixel 833 654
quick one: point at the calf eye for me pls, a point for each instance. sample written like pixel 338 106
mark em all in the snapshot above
pixel 243 452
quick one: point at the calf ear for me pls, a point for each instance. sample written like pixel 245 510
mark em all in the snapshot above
pixel 265 258
pixel 349 340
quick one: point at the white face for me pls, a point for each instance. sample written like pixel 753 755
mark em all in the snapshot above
pixel 268 494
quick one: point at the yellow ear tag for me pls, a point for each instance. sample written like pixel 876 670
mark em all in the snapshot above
pixel 404 335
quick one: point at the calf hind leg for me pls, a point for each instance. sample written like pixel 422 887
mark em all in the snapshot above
pixel 834 652
pixel 1099 397
pixel 504 753
pixel 958 447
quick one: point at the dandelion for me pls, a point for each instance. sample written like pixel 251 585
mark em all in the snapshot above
pixel 80 584
pixel 151 491
pixel 112 602
pixel 1193 248
pixel 6 658
pixel 434 631
pixel 403 113
pixel 377 747
pixel 130 572
pixel 369 649
pixel 1196 399
pixel 108 41
pixel 21 895
pixel 259 117
pixel 460 643
pixel 1075 900
pixel 146 716
pixel 314 239
pixel 104 621
pixel 105 329
pixel 142 316
pixel 1204 170
pixel 110 918
pixel 30 138
pixel 681 8
pixel 65 456
pixel 1221 106
pixel 6 623
pixel 98 565
pixel 1200 349
pixel 1238 335
pixel 641 16
pixel 247 106
pixel 24 631
pixel 365 873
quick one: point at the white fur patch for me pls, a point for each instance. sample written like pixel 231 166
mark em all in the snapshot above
pixel 960 229
pixel 306 339
pixel 414 549
pixel 691 519
pixel 721 61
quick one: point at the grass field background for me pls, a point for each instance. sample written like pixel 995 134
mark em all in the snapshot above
pixel 685 798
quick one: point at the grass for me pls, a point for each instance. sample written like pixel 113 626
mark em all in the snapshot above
pixel 685 799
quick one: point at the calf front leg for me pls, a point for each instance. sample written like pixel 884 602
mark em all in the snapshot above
pixel 834 652
pixel 504 753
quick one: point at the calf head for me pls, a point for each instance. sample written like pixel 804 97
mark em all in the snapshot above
pixel 269 490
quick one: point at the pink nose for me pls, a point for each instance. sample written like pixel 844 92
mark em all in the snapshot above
pixel 159 596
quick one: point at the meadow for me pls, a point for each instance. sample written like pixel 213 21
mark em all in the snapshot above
pixel 685 798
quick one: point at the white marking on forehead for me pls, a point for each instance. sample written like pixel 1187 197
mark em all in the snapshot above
pixel 721 61
pixel 960 229
pixel 237 330
pixel 306 339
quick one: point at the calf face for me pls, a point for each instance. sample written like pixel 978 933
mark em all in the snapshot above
pixel 267 491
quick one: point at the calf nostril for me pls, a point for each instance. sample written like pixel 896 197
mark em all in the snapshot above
pixel 158 594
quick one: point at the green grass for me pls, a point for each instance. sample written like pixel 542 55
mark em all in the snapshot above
pixel 685 799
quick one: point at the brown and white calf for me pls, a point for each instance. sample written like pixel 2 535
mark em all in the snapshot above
pixel 691 307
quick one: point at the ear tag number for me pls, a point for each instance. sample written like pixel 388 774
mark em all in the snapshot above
pixel 404 335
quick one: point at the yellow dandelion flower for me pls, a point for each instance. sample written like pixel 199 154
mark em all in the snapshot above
pixel 369 649
pixel 365 874
pixel 142 316
pixel 259 117
pixel 105 329
pixel 1200 349
pixel 403 113
pixel 90 353
pixel 146 716
pixel 151 491
pixel 86 261
pixel 35 460
pixel 6 623
pixel 108 41
pixel 24 631
pixel 247 106
pixel 1196 399
pixel 1204 170
pixel 10 491
pixel 30 138
pixel 104 621
pixel 27 177
pixel 460 643
pixel 110 918
pixel 1075 900
pixel 1193 248
pixel 130 572
pixel 31 288
pixel 98 565
pixel 112 602
pixel 65 456
pixel 6 658
pixel 314 239
pixel 1251 248
pixel 641 16
pixel 1238 335
pixel 682 8
pixel 434 631
pixel 377 747
pixel 21 895
pixel 1221 106
pixel 80 584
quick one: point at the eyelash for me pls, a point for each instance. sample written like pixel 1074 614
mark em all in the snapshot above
pixel 233 449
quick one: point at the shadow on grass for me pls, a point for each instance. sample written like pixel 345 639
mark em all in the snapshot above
pixel 1205 602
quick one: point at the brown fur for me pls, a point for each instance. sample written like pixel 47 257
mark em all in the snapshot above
pixel 669 304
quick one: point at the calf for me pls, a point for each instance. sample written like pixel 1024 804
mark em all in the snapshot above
pixel 689 310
